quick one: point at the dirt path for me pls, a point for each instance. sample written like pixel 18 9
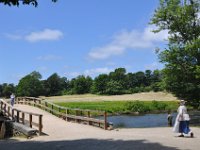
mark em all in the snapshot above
pixel 62 135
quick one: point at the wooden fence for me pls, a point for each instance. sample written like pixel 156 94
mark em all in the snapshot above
pixel 68 114
pixel 22 116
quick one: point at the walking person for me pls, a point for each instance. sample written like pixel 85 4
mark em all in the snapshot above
pixel 12 99
pixel 182 121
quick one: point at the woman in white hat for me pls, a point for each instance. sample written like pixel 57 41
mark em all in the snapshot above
pixel 182 121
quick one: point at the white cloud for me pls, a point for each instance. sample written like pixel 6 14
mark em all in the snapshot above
pixel 149 36
pixel 152 66
pixel 72 74
pixel 105 52
pixel 45 35
pixel 49 58
pixel 89 72
pixel 96 71
pixel 128 40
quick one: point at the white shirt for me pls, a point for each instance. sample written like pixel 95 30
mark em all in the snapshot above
pixel 182 113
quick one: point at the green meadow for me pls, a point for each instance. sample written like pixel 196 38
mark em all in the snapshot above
pixel 122 107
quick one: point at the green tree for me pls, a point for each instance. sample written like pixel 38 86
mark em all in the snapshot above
pixel 131 80
pixel 54 85
pixel 119 75
pixel 100 83
pixel 82 84
pixel 24 2
pixel 182 57
pixel 140 76
pixel 30 85
pixel 6 90
pixel 114 88
pixel 148 77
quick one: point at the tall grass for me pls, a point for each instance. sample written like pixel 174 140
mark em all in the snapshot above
pixel 114 107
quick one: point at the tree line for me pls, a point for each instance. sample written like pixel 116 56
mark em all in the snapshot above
pixel 114 83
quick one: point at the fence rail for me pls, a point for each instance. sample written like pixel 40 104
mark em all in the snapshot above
pixel 68 114
pixel 20 116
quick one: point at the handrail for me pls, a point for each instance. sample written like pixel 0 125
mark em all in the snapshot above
pixel 77 115
pixel 20 116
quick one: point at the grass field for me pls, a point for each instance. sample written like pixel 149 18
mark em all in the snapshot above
pixel 119 107
pixel 139 102
pixel 148 96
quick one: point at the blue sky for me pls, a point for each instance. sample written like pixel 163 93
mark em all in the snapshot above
pixel 75 37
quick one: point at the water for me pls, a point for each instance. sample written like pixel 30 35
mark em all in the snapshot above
pixel 148 120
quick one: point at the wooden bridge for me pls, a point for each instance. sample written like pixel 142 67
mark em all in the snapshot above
pixel 35 120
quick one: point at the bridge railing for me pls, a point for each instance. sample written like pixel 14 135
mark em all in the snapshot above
pixel 68 114
pixel 24 117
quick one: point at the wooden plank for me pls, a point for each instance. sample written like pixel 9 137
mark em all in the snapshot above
pixel 24 129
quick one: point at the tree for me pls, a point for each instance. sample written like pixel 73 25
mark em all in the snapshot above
pixel 54 85
pixel 114 88
pixel 100 83
pixel 6 90
pixel 24 2
pixel 119 75
pixel 30 85
pixel 82 84
pixel 140 76
pixel 148 77
pixel 182 57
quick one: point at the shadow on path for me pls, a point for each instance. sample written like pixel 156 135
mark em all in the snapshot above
pixel 83 144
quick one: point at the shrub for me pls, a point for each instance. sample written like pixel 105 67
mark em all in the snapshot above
pixel 159 105
pixel 136 106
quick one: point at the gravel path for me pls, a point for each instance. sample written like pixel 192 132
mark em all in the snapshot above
pixel 62 135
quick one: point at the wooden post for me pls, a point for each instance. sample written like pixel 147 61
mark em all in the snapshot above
pixel 89 115
pixel 60 114
pixel 13 115
pixel 25 101
pixel 29 101
pixel 8 111
pixel 52 108
pixel 40 103
pixel 77 113
pixel 23 118
pixel 30 120
pixel 17 115
pixel 1 105
pixel 4 108
pixel 45 103
pixel 67 112
pixel 40 124
pixel 105 120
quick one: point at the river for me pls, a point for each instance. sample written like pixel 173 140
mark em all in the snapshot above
pixel 149 120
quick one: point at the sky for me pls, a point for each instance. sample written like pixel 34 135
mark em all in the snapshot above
pixel 76 37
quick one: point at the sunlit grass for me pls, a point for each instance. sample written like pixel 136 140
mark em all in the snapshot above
pixel 123 106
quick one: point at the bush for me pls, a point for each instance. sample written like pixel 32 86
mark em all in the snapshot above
pixel 159 105
pixel 136 106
